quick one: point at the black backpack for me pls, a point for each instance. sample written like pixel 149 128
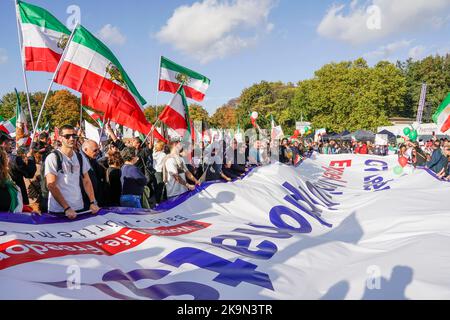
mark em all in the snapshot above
pixel 44 188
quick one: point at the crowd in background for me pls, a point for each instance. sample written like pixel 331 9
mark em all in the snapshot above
pixel 433 154
pixel 73 175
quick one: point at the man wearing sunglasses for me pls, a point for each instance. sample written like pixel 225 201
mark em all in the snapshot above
pixel 66 173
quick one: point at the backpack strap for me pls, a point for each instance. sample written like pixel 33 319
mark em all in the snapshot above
pixel 80 162
pixel 59 160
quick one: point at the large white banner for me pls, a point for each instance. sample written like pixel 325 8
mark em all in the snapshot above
pixel 336 227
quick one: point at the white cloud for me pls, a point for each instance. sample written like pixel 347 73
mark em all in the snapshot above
pixel 417 52
pixel 377 19
pixel 111 35
pixel 3 56
pixel 214 29
pixel 386 52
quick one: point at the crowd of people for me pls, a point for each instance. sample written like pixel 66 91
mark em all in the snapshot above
pixel 433 154
pixel 73 175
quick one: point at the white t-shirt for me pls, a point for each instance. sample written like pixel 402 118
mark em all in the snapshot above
pixel 172 186
pixel 68 181
pixel 158 159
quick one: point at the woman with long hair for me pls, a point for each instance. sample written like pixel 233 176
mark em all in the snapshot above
pixel 10 195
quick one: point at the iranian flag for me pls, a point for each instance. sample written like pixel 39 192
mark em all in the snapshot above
pixel 22 134
pixel 91 68
pixel 172 75
pixel 95 116
pixel 9 126
pixel 176 114
pixel 43 37
pixel 16 126
pixel 442 115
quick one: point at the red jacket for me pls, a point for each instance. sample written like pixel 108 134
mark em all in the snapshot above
pixel 361 149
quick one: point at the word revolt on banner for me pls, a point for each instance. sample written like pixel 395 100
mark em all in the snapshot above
pixel 272 235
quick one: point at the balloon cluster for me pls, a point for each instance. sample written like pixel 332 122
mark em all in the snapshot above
pixel 403 161
pixel 411 134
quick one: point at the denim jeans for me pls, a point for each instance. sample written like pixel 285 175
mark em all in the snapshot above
pixel 130 201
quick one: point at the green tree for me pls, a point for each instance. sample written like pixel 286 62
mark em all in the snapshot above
pixel 151 113
pixel 224 117
pixel 350 95
pixel 63 108
pixel 198 113
pixel 9 101
pixel 432 70
pixel 267 99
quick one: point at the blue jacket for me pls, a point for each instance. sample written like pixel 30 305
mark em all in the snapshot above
pixel 438 161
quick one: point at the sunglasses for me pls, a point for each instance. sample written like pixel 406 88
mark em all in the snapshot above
pixel 68 136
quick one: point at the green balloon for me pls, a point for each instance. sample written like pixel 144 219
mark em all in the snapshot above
pixel 413 135
pixel 407 131
pixel 398 170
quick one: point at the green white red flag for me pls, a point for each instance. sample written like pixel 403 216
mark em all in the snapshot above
pixel 442 115
pixel 43 37
pixel 22 134
pixel 176 114
pixel 9 126
pixel 95 116
pixel 172 75
pixel 91 68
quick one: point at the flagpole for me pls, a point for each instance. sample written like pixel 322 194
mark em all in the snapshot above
pixel 81 115
pixel 157 119
pixel 25 79
pixel 54 76
pixel 103 126
pixel 157 90
pixel 150 133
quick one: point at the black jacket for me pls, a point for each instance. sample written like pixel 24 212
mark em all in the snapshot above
pixel 97 173
pixel 19 170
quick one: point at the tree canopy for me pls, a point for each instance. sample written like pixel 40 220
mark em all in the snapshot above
pixel 347 95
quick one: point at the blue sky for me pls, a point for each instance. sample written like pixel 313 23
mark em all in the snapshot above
pixel 237 43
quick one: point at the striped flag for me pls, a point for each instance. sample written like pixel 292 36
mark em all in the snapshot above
pixel 43 37
pixel 442 115
pixel 9 126
pixel 95 116
pixel 90 68
pixel 172 75
pixel 176 113
pixel 22 134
